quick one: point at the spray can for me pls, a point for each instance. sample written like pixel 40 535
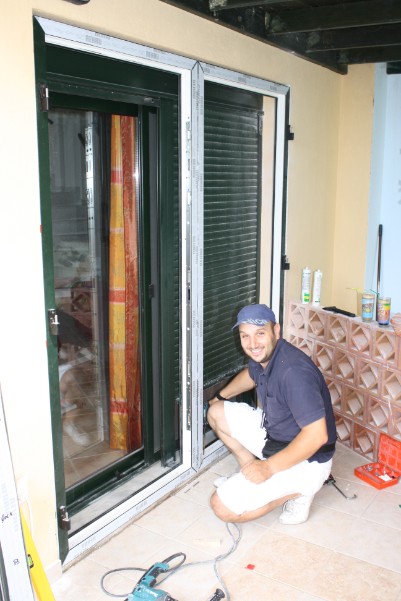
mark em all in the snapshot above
pixel 306 285
pixel 317 286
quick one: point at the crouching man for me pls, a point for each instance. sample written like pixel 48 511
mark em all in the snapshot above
pixel 285 446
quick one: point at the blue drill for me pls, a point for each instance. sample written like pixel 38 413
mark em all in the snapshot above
pixel 145 591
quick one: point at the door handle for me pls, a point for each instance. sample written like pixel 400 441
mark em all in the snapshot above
pixel 53 322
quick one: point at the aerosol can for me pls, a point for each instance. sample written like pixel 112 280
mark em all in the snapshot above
pixel 306 285
pixel 317 286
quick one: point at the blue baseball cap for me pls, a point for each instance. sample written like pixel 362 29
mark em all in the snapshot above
pixel 257 315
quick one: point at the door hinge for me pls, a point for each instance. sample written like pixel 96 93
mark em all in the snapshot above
pixel 54 323
pixel 43 97
pixel 151 290
pixel 290 133
pixel 285 263
pixel 64 521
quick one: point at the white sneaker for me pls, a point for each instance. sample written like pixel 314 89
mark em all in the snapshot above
pixel 219 481
pixel 296 511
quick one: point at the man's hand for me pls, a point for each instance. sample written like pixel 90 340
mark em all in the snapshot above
pixel 242 382
pixel 257 471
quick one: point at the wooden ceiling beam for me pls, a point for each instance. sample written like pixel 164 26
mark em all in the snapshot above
pixel 336 16
pixel 394 68
pixel 359 56
pixel 332 36
pixel 363 37
pixel 220 5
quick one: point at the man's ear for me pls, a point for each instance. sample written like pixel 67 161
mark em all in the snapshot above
pixel 276 330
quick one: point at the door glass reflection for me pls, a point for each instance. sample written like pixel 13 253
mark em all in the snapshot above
pixel 95 255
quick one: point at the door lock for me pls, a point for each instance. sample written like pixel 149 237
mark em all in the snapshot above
pixel 64 521
pixel 53 322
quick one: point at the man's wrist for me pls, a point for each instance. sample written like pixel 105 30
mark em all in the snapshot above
pixel 220 397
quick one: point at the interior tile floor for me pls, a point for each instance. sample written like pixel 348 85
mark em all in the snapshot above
pixel 348 550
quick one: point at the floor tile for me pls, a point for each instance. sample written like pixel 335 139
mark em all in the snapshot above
pixel 385 509
pixel 244 584
pixel 199 490
pixel 210 534
pixel 227 466
pixel 307 597
pixel 82 581
pixel 377 544
pixel 132 546
pixel 325 527
pixel 348 550
pixel 344 463
pixel 329 496
pixel 287 560
pixel 171 517
pixel 347 579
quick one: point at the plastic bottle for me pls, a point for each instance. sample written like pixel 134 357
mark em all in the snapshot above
pixel 306 285
pixel 317 286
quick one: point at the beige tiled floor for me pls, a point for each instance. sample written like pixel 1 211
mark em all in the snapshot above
pixel 348 550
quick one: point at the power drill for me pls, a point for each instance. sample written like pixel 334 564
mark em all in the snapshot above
pixel 144 590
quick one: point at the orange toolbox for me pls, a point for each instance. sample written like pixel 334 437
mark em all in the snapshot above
pixel 387 470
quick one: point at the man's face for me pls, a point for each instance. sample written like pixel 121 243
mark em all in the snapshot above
pixel 259 342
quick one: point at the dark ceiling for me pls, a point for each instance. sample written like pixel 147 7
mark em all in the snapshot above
pixel 331 33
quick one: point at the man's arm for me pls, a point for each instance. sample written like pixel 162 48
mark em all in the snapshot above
pixel 239 384
pixel 304 445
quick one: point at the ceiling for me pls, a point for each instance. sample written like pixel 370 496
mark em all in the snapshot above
pixel 330 33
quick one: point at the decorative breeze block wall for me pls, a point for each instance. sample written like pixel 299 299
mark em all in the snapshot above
pixel 361 363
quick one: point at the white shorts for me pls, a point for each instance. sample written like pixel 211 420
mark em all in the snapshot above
pixel 240 495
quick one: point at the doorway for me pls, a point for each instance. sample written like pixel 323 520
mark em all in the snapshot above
pixel 106 274
pixel 165 95
pixel 111 239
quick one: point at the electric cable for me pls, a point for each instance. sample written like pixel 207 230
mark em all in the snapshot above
pixel 166 561
pixel 103 578
pixel 217 559
pixel 171 571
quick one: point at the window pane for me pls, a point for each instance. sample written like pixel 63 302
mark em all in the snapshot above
pixel 93 187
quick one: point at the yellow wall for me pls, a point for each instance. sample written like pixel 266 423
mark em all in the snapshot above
pixel 320 162
pixel 351 216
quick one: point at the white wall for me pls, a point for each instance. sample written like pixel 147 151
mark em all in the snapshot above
pixel 385 189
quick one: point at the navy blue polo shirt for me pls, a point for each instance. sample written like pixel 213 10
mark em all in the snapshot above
pixel 293 394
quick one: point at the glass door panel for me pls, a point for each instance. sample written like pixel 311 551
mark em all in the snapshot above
pixel 95 255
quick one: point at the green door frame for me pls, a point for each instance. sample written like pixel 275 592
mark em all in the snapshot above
pixel 93 96
pixel 47 249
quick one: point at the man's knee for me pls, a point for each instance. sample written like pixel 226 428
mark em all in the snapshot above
pixel 221 511
pixel 215 414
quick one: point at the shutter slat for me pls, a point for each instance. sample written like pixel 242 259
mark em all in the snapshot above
pixel 231 231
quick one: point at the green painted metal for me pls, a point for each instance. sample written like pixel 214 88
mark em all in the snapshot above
pixel 169 282
pixel 47 249
pixel 116 76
